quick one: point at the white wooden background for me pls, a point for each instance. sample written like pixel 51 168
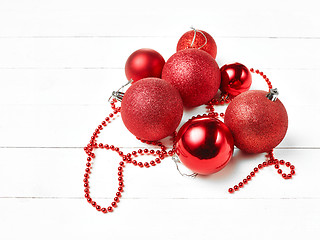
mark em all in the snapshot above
pixel 59 62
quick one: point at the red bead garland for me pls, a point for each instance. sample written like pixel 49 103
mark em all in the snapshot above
pixel 271 161
pixel 126 158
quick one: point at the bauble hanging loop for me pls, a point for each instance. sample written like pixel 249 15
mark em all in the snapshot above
pixel 119 94
pixel 273 94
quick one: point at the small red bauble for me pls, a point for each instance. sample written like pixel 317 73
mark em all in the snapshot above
pixel 198 39
pixel 144 63
pixel 204 145
pixel 257 123
pixel 235 79
pixel 151 109
pixel 195 74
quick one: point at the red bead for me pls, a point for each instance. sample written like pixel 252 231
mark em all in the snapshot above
pixel 260 166
pixel 120 189
pixel 111 115
pixel 152 151
pixel 120 169
pixel 230 190
pixel 116 149
pixel 145 150
pixel 249 177
pixel 93 203
pixel 134 162
pixel 98 208
pixel 112 147
pixel 106 146
pixel 121 163
pixel 236 188
pixel 158 160
pixel 86 190
pixel 240 184
pixel 146 164
pixel 88 164
pixel 121 184
pixel 252 174
pixel 152 163
pixel 100 145
pixel 89 159
pixel 134 153
pixel 276 166
pixel 85 179
pixel 120 179
pixel 110 209
pixel 140 151
pixel 245 181
pixel 289 176
pixel 292 172
pixel 140 164
pixel 114 204
pixel 118 194
pixel 284 175
pixel 116 199
pixel 89 200
pixel 86 185
pixel 264 164
pixel 292 167
pixel 279 171
pixel 119 174
pixel 281 162
pixel 256 169
pixel 104 210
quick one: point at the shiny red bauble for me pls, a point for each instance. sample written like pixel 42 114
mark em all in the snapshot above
pixel 151 109
pixel 235 79
pixel 257 123
pixel 144 63
pixel 198 39
pixel 195 74
pixel 204 145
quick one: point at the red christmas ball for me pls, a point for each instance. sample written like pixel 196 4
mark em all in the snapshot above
pixel 198 39
pixel 235 79
pixel 257 123
pixel 195 74
pixel 144 63
pixel 204 145
pixel 151 109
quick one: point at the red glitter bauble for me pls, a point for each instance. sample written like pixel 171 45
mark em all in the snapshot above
pixel 144 63
pixel 198 39
pixel 151 109
pixel 257 123
pixel 204 145
pixel 235 79
pixel 195 74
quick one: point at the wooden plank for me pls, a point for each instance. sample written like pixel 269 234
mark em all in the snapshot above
pixel 72 126
pixel 58 173
pixel 53 53
pixel 161 219
pixel 94 86
pixel 139 18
